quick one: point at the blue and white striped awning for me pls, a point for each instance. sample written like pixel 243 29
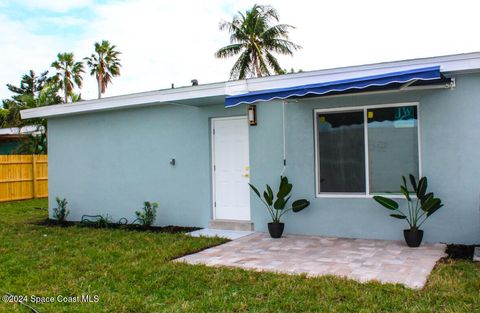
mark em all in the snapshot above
pixel 387 80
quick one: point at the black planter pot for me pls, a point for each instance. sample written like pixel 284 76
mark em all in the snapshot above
pixel 276 229
pixel 413 238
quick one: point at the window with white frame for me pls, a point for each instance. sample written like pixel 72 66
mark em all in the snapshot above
pixel 366 150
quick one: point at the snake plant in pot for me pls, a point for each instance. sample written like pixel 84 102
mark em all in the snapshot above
pixel 420 207
pixel 277 207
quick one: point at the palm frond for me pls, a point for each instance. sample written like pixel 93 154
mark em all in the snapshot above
pixel 229 50
pixel 277 31
pixel 281 46
pixel 269 12
pixel 273 63
pixel 264 68
pixel 242 66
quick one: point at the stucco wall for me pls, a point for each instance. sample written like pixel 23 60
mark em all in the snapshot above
pixel 113 161
pixel 449 135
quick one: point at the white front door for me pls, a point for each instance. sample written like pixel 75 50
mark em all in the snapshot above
pixel 231 169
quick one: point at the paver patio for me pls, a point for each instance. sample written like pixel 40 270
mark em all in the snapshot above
pixel 360 259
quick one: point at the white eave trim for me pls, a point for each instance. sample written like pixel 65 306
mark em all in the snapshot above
pixel 127 101
pixel 450 65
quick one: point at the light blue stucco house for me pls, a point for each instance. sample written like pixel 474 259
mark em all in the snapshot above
pixel 340 135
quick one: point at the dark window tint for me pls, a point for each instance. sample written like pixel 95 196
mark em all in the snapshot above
pixel 341 152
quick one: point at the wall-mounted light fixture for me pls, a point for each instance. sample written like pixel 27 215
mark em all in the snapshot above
pixel 252 115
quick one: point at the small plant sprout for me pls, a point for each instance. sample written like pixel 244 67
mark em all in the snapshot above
pixel 61 212
pixel 146 217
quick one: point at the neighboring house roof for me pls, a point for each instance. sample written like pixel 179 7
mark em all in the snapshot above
pixel 8 138
pixel 15 134
pixel 25 130
pixel 215 93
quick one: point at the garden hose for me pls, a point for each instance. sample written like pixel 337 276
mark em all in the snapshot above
pixel 94 219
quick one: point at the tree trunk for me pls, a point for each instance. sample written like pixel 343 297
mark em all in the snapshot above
pixel 257 66
pixel 99 84
pixel 66 94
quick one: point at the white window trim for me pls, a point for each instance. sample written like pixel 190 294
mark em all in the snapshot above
pixel 363 108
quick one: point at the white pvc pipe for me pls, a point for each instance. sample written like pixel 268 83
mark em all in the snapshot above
pixel 284 139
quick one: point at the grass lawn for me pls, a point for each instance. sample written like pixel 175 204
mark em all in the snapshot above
pixel 131 272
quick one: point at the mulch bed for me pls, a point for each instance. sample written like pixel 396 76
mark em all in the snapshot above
pixel 463 252
pixel 454 251
pixel 171 229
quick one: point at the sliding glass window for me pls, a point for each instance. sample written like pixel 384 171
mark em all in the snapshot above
pixel 390 136
pixel 341 152
pixel 392 147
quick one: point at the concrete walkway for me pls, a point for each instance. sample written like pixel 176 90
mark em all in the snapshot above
pixel 359 259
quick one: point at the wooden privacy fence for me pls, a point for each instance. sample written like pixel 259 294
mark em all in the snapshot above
pixel 23 177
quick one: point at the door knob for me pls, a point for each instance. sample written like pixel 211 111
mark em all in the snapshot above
pixel 246 175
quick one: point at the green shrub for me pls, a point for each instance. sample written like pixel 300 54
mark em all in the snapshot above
pixel 61 212
pixel 148 214
pixel 104 221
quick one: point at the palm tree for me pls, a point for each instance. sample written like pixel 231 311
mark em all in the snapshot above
pixel 254 38
pixel 104 64
pixel 69 73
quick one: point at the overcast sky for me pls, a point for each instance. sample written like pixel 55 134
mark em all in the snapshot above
pixel 168 41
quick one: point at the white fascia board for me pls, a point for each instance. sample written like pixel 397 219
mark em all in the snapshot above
pixel 126 101
pixel 450 65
